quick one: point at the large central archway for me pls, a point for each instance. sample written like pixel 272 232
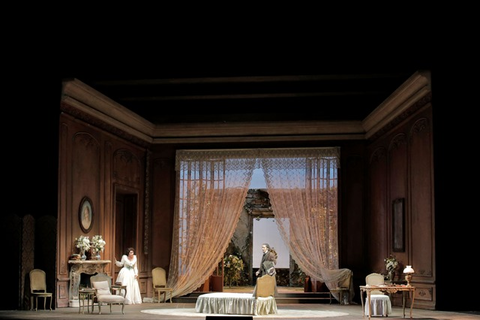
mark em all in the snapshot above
pixel 211 188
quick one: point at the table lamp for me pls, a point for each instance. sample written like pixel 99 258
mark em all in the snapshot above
pixel 408 274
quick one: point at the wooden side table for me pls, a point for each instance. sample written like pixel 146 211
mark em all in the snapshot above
pixel 85 294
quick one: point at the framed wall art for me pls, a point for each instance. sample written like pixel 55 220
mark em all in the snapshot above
pixel 85 214
pixel 398 219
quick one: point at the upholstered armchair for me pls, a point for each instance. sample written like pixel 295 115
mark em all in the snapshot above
pixel 106 294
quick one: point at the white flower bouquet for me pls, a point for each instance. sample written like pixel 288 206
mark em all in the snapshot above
pixel 83 243
pixel 98 243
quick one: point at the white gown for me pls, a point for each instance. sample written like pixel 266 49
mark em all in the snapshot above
pixel 126 277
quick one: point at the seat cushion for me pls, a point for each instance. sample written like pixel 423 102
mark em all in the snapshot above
pixel 110 298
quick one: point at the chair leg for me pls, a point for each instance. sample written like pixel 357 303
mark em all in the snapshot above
pixel 51 297
pixel 123 305
pixel 99 308
pixel 36 303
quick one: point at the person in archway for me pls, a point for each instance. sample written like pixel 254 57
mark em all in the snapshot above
pixel 128 276
pixel 269 260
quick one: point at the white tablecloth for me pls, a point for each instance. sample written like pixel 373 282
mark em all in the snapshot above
pixel 235 303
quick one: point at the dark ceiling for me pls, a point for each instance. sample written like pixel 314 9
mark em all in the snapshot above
pixel 225 96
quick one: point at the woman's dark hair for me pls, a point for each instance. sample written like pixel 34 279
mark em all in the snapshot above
pixel 130 249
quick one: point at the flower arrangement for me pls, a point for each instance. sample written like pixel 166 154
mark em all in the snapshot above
pixel 98 243
pixel 391 263
pixel 83 243
pixel 233 267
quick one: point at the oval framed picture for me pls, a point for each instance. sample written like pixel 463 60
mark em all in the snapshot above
pixel 85 214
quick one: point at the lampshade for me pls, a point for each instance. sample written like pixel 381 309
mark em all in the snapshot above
pixel 408 269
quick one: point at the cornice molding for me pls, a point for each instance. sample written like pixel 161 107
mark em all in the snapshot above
pixel 282 138
pixel 82 101
pixel 258 129
pixel 412 90
pixel 86 99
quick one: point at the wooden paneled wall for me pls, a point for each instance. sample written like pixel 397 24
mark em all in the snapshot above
pixel 98 165
pixel 401 167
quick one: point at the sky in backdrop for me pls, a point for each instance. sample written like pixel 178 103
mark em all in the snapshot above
pixel 265 231
pixel 258 181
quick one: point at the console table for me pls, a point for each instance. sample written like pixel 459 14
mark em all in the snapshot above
pixel 389 289
pixel 77 267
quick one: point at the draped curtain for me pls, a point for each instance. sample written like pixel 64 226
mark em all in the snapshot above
pixel 303 189
pixel 211 189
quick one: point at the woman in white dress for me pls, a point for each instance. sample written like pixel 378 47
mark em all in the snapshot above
pixel 128 276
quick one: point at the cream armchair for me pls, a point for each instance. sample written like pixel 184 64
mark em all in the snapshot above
pixel 106 294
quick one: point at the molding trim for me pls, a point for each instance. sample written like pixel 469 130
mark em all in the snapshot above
pixel 411 91
pixel 93 107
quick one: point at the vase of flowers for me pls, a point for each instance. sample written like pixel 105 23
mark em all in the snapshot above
pixel 98 245
pixel 83 243
pixel 391 264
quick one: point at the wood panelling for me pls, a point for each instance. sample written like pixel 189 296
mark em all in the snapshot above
pixel 409 175
pixel 92 163
pixel 421 187
pixel 85 178
pixel 398 180
pixel 127 169
pixel 377 214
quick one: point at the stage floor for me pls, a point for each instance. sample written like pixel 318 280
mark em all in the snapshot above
pixel 183 312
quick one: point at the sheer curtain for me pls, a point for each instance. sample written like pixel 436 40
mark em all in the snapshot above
pixel 302 185
pixel 211 191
